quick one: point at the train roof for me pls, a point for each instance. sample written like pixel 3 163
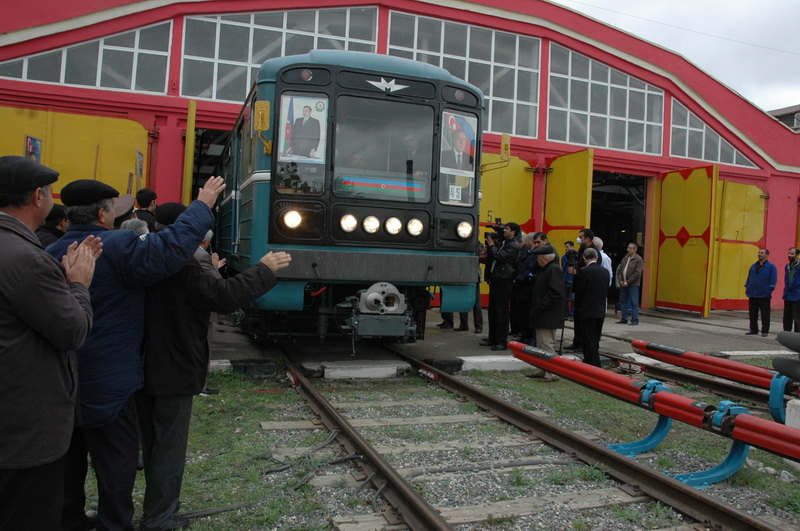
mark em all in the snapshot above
pixel 363 61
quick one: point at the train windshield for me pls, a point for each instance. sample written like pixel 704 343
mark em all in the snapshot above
pixel 382 150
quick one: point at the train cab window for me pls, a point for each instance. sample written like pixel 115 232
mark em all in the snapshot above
pixel 302 144
pixel 382 150
pixel 457 159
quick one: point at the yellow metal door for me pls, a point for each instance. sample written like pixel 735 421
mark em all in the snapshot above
pixel 568 197
pixel 686 236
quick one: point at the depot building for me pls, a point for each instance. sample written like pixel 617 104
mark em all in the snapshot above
pixel 608 131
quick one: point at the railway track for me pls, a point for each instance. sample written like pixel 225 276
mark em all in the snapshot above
pixel 518 452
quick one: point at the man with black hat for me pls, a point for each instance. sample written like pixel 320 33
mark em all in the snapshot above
pixel 547 302
pixel 45 315
pixel 110 363
pixel 146 199
pixel 178 313
pixel 55 225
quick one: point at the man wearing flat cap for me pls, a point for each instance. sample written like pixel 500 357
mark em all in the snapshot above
pixel 178 313
pixel 110 363
pixel 45 315
pixel 55 225
pixel 547 302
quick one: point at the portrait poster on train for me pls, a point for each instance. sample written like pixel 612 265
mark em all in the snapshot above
pixel 457 158
pixel 305 123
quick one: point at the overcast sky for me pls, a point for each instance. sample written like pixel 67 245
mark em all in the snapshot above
pixel 752 46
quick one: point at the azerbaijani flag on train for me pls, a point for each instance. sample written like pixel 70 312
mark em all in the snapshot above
pixel 384 185
pixel 455 123
pixel 287 129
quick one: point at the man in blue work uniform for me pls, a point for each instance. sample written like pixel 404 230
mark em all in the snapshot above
pixel 110 362
pixel 791 293
pixel 758 287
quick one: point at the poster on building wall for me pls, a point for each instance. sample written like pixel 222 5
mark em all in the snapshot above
pixel 33 148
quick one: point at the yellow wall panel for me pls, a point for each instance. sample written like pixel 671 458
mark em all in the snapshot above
pixel 682 281
pixel 507 192
pixel 690 199
pixel 735 260
pixel 742 212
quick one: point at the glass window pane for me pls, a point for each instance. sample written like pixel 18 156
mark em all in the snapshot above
pixel 505 48
pixel 200 38
pixel 636 105
pixel 559 60
pixel 117 69
pixel 726 152
pixel 598 130
pixel 429 34
pixel 333 22
pixel 362 47
pixel 578 95
pixel 45 67
pixel 680 116
pixel 401 53
pixel 695 122
pixel 653 144
pixel 271 20
pixel 125 40
pixel 151 73
pixel 362 23
pixel 742 160
pixel 330 44
pixel 635 83
pixel 635 136
pixel 198 78
pixel 580 66
pixel 559 91
pixel 578 128
pixel 528 52
pixel 297 44
pixel 695 144
pixel 503 83
pixel 155 38
pixel 231 82
pixel 655 108
pixel 244 18
pixel 234 43
pixel 619 102
pixel 599 95
pixel 300 20
pixel 526 120
pixel 678 148
pixel 618 78
pixel 711 146
pixel 402 31
pixel 455 39
pixel 617 137
pixel 480 44
pixel 599 72
pixel 11 69
pixel 457 67
pixel 428 58
pixel 81 65
pixel 266 45
pixel 527 86
pixel 479 76
pixel 502 116
pixel 557 125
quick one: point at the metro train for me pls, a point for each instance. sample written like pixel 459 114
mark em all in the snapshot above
pixel 365 168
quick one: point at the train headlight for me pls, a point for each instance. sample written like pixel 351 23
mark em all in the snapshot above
pixel 348 223
pixel 393 226
pixel 414 227
pixel 371 224
pixel 292 219
pixel 464 230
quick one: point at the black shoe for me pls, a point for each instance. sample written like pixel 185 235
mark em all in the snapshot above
pixel 751 333
pixel 526 340
pixel 622 321
pixel 461 329
pixel 173 522
pixel 499 346
pixel 764 334
pixel 572 347
pixel 445 324
pixel 479 330
pixel 487 343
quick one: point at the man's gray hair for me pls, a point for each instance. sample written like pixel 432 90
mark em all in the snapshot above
pixel 590 254
pixel 597 242
pixel 551 256
pixel 530 236
pixel 83 214
pixel 139 226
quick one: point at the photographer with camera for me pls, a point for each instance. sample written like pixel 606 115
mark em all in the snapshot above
pixel 503 258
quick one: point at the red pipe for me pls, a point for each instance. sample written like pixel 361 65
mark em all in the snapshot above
pixel 728 369
pixel 778 438
pixel 682 408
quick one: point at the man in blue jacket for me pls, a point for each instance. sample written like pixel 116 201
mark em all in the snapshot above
pixel 791 294
pixel 761 281
pixel 110 363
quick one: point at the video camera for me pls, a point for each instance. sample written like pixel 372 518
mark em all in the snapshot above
pixel 572 257
pixel 497 230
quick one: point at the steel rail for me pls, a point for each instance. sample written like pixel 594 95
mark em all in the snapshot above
pixel 416 512
pixel 688 500
pixel 717 386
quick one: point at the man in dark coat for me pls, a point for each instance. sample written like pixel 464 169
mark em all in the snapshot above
pixel 178 312
pixel 54 226
pixel 146 199
pixel 504 257
pixel 111 361
pixel 45 315
pixel 547 301
pixel 305 134
pixel 591 288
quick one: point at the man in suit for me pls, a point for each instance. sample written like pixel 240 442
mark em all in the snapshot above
pixel 591 288
pixel 456 158
pixel 305 135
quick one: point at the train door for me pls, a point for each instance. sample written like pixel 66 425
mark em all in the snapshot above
pixel 568 197
pixel 686 239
